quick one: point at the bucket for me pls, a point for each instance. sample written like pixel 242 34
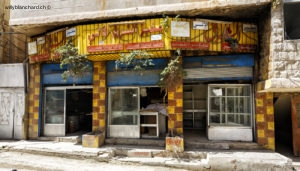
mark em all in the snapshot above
pixel 73 122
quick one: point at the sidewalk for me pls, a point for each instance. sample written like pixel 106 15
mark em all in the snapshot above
pixel 192 160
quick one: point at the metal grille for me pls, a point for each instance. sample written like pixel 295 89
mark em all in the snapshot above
pixel 229 72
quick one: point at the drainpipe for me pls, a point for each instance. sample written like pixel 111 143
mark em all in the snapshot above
pixel 25 118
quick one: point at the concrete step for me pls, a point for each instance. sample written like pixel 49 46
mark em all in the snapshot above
pixel 73 139
pixel 131 141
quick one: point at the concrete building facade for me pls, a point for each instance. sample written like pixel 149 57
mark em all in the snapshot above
pixel 275 61
pixel 12 87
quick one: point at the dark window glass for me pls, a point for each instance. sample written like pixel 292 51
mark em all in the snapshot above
pixel 292 20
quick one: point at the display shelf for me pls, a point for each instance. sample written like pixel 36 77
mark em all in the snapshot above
pixel 152 121
pixel 194 106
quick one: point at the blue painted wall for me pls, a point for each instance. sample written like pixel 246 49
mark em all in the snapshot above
pixel 127 77
pixel 219 61
pixel 51 74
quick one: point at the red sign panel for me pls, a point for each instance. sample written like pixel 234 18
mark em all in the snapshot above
pixel 104 48
pixel 190 45
pixel 145 45
pixel 240 48
pixel 39 58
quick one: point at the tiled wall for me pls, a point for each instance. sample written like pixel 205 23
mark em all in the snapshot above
pixel 265 120
pixel 175 115
pixel 99 95
pixel 34 94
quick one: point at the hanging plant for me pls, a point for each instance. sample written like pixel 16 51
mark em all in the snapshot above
pixel 137 60
pixel 165 22
pixel 172 74
pixel 75 63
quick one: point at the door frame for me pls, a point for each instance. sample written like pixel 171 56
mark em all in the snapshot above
pixel 132 131
pixel 63 126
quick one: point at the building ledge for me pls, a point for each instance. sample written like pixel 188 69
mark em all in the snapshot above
pixel 279 85
pixel 59 18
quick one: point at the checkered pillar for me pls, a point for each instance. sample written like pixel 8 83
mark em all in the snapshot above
pixel 34 94
pixel 175 121
pixel 265 120
pixel 99 95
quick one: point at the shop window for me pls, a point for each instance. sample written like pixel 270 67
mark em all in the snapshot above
pixel 292 19
pixel 124 106
pixel 229 105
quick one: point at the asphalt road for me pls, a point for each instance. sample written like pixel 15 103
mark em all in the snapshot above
pixel 29 162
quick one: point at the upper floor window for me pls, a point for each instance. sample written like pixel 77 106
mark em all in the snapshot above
pixel 292 19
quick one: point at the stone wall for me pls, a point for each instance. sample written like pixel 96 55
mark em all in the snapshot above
pixel 284 64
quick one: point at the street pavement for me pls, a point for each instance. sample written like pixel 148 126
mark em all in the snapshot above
pixel 213 160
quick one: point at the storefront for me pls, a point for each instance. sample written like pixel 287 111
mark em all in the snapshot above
pixel 129 104
pixel 67 105
pixel 137 108
pixel 218 96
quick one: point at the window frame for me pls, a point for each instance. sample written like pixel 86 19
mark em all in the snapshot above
pixel 224 110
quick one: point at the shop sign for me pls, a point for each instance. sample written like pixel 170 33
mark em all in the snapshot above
pixel 40 40
pixel 144 45
pixel 249 28
pixel 32 48
pixel 240 48
pixel 71 32
pixel 39 58
pixel 200 25
pixel 190 45
pixel 151 30
pixel 104 48
pixel 175 144
pixel 156 37
pixel 180 29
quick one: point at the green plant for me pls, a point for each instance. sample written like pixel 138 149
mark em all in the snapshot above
pixel 172 74
pixel 75 63
pixel 165 22
pixel 275 3
pixel 138 60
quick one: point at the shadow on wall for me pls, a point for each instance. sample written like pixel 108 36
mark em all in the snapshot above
pixel 283 122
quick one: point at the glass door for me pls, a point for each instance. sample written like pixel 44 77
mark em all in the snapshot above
pixel 123 112
pixel 54 112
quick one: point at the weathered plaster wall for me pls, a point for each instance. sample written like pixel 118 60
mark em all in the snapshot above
pixel 12 46
pixel 264 43
pixel 67 12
